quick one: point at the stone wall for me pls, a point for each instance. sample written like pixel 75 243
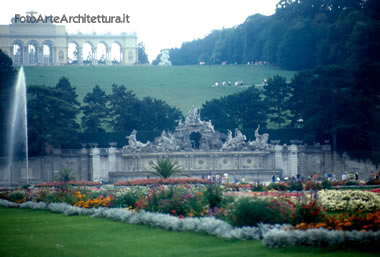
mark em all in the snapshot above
pixel 112 164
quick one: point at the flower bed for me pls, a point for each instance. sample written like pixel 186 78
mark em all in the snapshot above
pixel 358 221
pixel 200 207
pixel 159 181
pixel 264 194
pixel 354 200
pixel 72 183
pixel 272 235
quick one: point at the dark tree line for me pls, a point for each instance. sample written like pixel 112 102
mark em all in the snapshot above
pixel 7 78
pixel 331 103
pixel 300 35
pixel 53 114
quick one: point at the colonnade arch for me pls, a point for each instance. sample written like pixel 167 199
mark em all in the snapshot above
pixel 33 50
pixel 116 53
pixel 49 44
pixel 47 52
pixel 18 52
pixel 101 52
pixel 72 53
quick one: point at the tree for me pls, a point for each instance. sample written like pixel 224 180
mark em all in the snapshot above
pixel 277 94
pixel 297 101
pixel 7 77
pixel 127 112
pixel 95 110
pixel 243 110
pixel 157 115
pixel 327 105
pixel 124 106
pixel 298 46
pixel 51 118
pixel 165 168
pixel 68 92
pixel 142 56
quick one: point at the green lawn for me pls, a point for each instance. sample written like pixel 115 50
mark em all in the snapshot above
pixel 42 233
pixel 181 86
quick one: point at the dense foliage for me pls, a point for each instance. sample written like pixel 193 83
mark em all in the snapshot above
pixel 301 34
pixel 53 112
pixel 7 76
pixel 242 110
pixel 142 56
pixel 331 103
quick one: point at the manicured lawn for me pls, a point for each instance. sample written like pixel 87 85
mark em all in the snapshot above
pixel 181 86
pixel 41 233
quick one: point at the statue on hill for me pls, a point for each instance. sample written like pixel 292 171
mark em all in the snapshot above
pixel 164 59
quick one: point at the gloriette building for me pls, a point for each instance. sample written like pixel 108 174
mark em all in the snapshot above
pixel 50 44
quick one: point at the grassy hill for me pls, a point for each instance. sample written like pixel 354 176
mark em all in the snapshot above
pixel 180 86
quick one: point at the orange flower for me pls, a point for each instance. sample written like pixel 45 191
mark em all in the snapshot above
pixel 347 224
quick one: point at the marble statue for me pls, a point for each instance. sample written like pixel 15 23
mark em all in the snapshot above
pixel 234 143
pixel 167 142
pixel 193 116
pixel 133 143
pixel 164 59
pixel 210 140
pixel 261 141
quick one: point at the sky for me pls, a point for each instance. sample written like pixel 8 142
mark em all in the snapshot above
pixel 159 24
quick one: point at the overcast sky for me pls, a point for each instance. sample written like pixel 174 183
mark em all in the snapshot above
pixel 158 23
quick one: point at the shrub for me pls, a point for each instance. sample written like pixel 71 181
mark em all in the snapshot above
pixel 282 186
pixel 326 184
pixel 373 182
pixel 250 212
pixel 312 185
pixel 272 186
pixel 308 212
pixel 178 201
pixel 126 199
pixel 297 186
pixel 214 195
pixel 57 197
pixel 352 183
pixel 17 196
pixel 258 187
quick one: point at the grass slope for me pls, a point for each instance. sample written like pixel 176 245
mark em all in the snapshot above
pixel 180 86
pixel 41 233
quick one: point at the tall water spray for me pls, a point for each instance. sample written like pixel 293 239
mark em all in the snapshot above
pixel 18 129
